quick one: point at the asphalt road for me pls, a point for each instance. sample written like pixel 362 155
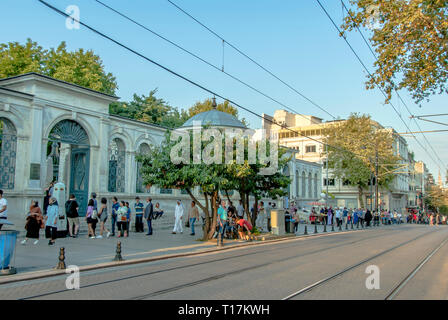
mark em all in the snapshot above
pixel 331 266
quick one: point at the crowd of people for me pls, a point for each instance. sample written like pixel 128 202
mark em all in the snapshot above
pixel 230 224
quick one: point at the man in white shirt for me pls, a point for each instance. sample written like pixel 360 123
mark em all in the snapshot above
pixel 3 208
pixel 178 214
pixel 240 209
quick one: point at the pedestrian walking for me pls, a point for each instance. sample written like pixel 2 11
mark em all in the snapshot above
pixel 34 222
pixel 193 215
pixel 149 214
pixel 103 216
pixel 51 221
pixel 71 210
pixel 113 217
pixel 178 215
pixel 338 217
pixel 138 207
pixel 92 219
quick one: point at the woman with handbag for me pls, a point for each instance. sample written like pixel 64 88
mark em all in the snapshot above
pixel 122 219
pixel 34 222
pixel 92 219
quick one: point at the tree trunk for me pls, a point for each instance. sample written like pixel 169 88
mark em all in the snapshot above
pixel 360 196
pixel 214 210
pixel 255 214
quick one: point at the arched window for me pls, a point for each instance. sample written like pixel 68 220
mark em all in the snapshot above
pixel 140 187
pixel 8 148
pixel 117 156
pixel 303 184
pixel 297 183
pixel 286 173
pixel 310 185
pixel 315 185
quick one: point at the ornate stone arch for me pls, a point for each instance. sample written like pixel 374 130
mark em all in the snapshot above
pixel 80 120
pixel 303 184
pixel 143 148
pixel 8 153
pixel 117 165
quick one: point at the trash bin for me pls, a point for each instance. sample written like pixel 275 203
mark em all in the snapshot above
pixel 8 240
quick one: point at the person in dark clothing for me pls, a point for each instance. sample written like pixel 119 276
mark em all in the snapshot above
pixel 149 215
pixel 368 218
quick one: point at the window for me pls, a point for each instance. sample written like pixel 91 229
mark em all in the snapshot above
pixel 330 182
pixel 309 149
pixel 8 148
pixel 346 182
pixel 166 191
pixel 140 186
pixel 117 155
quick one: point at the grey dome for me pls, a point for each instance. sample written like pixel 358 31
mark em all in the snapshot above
pixel 215 118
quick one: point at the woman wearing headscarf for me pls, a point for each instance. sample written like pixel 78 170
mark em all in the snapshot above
pixel 34 222
pixel 51 222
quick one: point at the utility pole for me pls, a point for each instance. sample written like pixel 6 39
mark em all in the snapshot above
pixel 376 178
pixel 326 195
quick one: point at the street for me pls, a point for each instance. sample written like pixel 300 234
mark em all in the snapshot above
pixel 327 266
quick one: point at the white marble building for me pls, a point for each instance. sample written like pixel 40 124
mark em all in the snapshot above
pixel 52 129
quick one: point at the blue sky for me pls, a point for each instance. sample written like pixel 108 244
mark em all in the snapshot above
pixel 294 39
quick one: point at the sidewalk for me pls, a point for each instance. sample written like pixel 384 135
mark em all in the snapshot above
pixel 82 251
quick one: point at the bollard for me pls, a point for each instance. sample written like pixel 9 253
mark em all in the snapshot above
pixel 306 230
pixel 61 263
pixel 352 225
pixel 325 228
pixel 118 256
pixel 346 226
pixel 315 228
pixel 332 227
pixel 357 225
pixel 340 227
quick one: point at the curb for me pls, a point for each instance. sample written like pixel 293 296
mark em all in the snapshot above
pixel 53 272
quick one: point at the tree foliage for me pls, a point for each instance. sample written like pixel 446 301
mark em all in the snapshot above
pixel 213 180
pixel 149 109
pixel 436 199
pixel 81 67
pixel 354 145
pixel 410 40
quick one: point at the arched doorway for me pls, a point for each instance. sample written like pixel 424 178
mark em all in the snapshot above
pixel 69 146
pixel 8 152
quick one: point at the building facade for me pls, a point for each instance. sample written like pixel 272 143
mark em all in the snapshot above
pixel 52 130
pixel 309 147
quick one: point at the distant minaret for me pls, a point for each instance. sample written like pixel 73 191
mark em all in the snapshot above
pixel 439 180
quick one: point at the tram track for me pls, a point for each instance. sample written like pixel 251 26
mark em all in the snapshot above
pixel 398 288
pixel 216 277
pixel 394 291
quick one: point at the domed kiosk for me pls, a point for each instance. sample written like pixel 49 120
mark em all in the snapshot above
pixel 214 118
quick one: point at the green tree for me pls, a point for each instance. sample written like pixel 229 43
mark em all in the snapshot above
pixel 149 109
pixel 354 146
pixel 81 67
pixel 410 40
pixel 211 179
pixel 436 199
